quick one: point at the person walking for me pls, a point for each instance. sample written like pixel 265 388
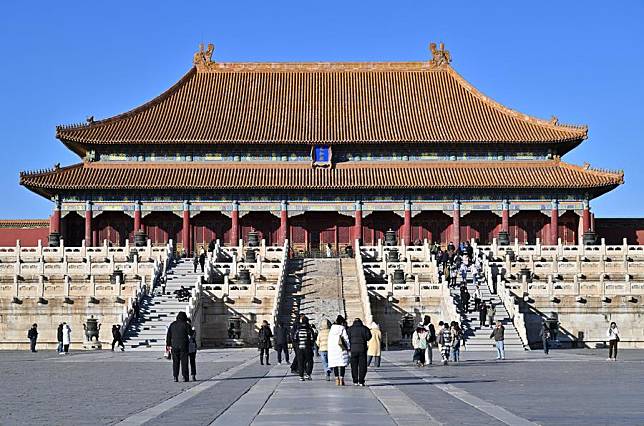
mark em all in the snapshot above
pixel 176 341
pixel 59 338
pixel 457 338
pixel 477 298
pixel 482 314
pixel 280 331
pixel 32 335
pixel 117 338
pixel 359 336
pixel 192 352
pixel 264 342
pixel 498 336
pixel 195 262
pixel 613 340
pixel 491 313
pixel 137 309
pixel 304 341
pixel 67 337
pixel 431 339
pixel 419 343
pixel 445 342
pixel 374 346
pixel 338 347
pixel 465 295
pixel 322 342
pixel 202 259
pixel 545 337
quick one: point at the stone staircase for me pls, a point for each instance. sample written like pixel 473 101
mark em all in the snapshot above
pixel 351 292
pixel 157 312
pixel 478 338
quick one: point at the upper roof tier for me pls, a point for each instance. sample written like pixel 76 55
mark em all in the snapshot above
pixel 320 103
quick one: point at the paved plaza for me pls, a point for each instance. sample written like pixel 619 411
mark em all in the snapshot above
pixel 566 388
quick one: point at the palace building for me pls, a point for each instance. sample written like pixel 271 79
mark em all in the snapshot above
pixel 321 153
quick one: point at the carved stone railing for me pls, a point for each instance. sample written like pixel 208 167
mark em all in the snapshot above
pixel 281 280
pixel 362 286
pixel 194 310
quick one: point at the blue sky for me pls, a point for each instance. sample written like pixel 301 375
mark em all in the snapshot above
pixel 63 61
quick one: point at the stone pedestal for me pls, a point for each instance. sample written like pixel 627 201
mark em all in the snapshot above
pixel 92 346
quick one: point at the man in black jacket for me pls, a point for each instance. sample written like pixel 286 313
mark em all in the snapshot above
pixel 359 335
pixel 281 334
pixel 177 341
pixel 32 335
pixel 304 341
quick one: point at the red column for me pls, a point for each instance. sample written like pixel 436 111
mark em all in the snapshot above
pixel 456 223
pixel 88 223
pixel 554 223
pixel 137 216
pixel 407 224
pixel 185 230
pixel 234 227
pixel 357 229
pixel 283 222
pixel 54 220
pixel 585 217
pixel 505 216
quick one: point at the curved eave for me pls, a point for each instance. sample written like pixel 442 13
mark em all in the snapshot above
pixel 484 176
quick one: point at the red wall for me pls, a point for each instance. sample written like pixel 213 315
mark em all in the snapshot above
pixel 614 230
pixel 27 236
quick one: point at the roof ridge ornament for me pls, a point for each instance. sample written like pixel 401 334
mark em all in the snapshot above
pixel 440 56
pixel 203 58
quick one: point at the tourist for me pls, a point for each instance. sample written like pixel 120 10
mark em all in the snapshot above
pixel 304 342
pixel 296 325
pixel 32 335
pixel 491 312
pixel 338 346
pixel 453 274
pixel 431 339
pixel 494 274
pixel 202 259
pixel 67 337
pixel 375 346
pixel 314 330
pixel 359 336
pixel 264 342
pixel 419 343
pixel 465 297
pixel 457 338
pixel 498 336
pixel 477 298
pixel 483 314
pixel 445 342
pixel 463 270
pixel 329 250
pixel 163 285
pixel 136 308
pixel 545 337
pixel 613 339
pixel 195 262
pixel 280 331
pixel 117 338
pixel 192 352
pixel 322 342
pixel 59 338
pixel 177 340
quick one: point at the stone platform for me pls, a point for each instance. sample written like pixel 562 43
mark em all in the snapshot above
pixel 130 388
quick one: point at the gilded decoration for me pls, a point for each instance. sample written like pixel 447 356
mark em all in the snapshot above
pixel 203 58
pixel 440 56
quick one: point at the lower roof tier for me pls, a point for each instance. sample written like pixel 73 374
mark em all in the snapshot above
pixel 524 175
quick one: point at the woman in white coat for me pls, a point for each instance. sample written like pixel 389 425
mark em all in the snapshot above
pixel 338 347
pixel 67 337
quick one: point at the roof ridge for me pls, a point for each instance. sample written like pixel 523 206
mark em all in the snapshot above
pixel 553 123
pixel 596 170
pixel 55 168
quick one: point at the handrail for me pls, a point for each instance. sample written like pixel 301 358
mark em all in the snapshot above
pixel 362 286
pixel 277 299
pixel 194 309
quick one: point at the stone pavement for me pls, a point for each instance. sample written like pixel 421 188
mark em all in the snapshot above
pixel 566 388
